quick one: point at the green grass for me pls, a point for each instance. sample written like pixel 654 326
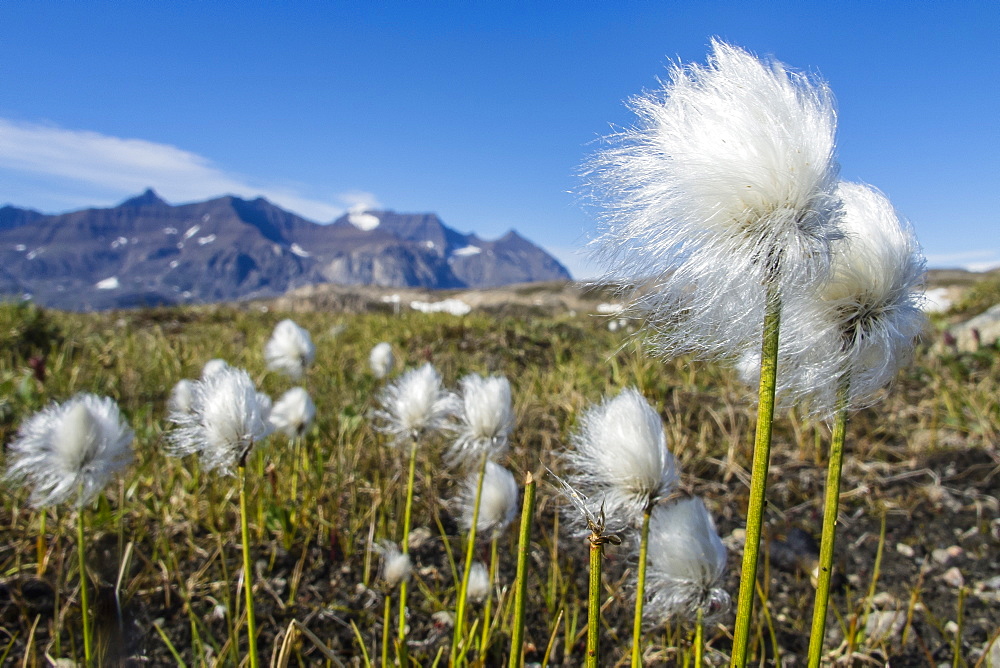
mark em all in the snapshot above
pixel 315 575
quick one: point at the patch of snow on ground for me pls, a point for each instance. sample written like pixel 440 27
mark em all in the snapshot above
pixel 170 230
pixel 936 300
pixel 206 218
pixel 363 221
pixel 429 244
pixel 609 309
pixel 33 254
pixel 206 240
pixel 467 250
pixel 390 299
pixel 20 248
pixel 107 284
pixel 173 264
pixel 191 231
pixel 300 251
pixel 120 241
pixel 452 306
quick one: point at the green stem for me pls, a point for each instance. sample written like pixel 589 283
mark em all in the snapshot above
pixel 488 605
pixel 830 509
pixel 463 593
pixel 699 639
pixel 40 543
pixel 594 605
pixel 401 650
pixel 523 544
pixel 247 570
pixel 640 590
pixel 758 475
pixel 386 620
pixel 81 553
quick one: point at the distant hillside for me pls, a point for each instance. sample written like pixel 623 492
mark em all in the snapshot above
pixel 147 252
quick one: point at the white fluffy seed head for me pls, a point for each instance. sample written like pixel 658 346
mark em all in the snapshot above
pixel 290 350
pixel 726 183
pixel 381 360
pixel 861 324
pixel 212 367
pixel 620 456
pixel 228 418
pixel 181 397
pixel 71 450
pixel 485 415
pixel 396 566
pixel 686 563
pixel 479 582
pixel 497 502
pixel 293 413
pixel 414 404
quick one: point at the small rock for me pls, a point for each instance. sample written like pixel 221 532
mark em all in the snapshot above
pixel 418 537
pixel 884 600
pixel 905 550
pixel 951 628
pixel 954 552
pixel 940 555
pixel 992 653
pixel 953 578
pixel 885 624
pixel 736 539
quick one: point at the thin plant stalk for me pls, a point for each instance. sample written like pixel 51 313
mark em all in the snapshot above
pixel 81 553
pixel 488 605
pixel 699 639
pixel 405 547
pixel 247 570
pixel 830 509
pixel 521 586
pixel 640 590
pixel 463 591
pixel 594 604
pixel 386 619
pixel 758 475
pixel 40 542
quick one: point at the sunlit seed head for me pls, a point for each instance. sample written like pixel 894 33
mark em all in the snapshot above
pixel 497 503
pixel 293 413
pixel 396 566
pixel 479 582
pixel 71 450
pixel 686 564
pixel 416 403
pixel 725 184
pixel 229 418
pixel 620 455
pixel 181 397
pixel 213 367
pixel 290 350
pixel 485 415
pixel 381 360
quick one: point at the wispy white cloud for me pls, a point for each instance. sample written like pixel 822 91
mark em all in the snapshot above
pixel 976 260
pixel 122 167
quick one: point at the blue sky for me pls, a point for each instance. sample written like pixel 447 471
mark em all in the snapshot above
pixel 481 112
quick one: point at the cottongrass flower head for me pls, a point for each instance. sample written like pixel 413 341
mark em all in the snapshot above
pixel 228 419
pixel 71 450
pixel 290 350
pixel 293 413
pixel 479 582
pixel 620 457
pixel 213 366
pixel 869 311
pixel 860 324
pixel 486 417
pixel 727 183
pixel 396 566
pixel 381 360
pixel 416 403
pixel 687 561
pixel 497 501
pixel 181 398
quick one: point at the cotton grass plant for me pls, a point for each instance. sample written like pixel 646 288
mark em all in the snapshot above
pixel 415 405
pixel 290 350
pixel 68 453
pixel 620 457
pixel 228 417
pixel 718 203
pixel 484 416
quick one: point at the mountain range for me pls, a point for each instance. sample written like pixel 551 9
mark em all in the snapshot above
pixel 148 252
